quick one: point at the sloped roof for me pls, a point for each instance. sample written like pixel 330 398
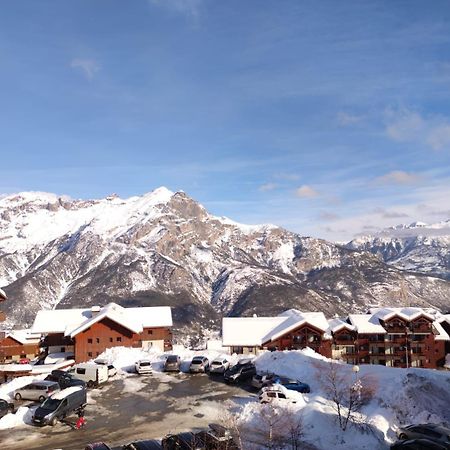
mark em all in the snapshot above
pixel 408 313
pixel 295 319
pixel 73 321
pixel 255 331
pixel 24 336
pixel 441 335
pixel 335 325
pixel 247 331
pixel 366 323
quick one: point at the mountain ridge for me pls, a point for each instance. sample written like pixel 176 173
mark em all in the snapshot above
pixel 165 248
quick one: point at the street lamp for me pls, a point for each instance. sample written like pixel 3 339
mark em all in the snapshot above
pixel 407 333
pixel 355 370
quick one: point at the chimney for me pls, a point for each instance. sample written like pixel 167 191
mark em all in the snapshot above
pixel 95 310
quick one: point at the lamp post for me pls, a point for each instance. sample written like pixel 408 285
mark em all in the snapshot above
pixel 407 333
pixel 355 370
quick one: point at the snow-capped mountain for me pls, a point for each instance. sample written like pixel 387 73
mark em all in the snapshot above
pixel 417 247
pixel 165 248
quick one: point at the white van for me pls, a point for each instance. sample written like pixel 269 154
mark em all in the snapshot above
pixel 92 374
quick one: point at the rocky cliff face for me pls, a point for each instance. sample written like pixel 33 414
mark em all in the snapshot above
pixel 164 248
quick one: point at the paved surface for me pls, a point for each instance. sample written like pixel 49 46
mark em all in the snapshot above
pixel 136 407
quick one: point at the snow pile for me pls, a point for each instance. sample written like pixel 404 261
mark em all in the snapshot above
pixel 402 396
pixel 21 417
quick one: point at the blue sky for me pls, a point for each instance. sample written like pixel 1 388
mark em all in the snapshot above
pixel 329 118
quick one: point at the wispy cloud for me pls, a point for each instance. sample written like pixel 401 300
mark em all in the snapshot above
pixel 267 187
pixel 398 177
pixel 328 216
pixel 345 119
pixel 190 8
pixel 409 126
pixel 89 67
pixel 390 213
pixel 286 176
pixel 306 191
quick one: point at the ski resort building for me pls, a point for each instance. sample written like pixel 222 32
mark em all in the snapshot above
pixel 3 297
pixel 395 337
pixel 19 345
pixel 291 330
pixel 89 332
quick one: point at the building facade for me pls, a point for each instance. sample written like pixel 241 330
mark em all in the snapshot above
pixel 86 333
pixel 394 337
pixel 18 345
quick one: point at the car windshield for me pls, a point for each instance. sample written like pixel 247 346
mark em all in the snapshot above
pixel 217 363
pixel 235 369
pixel 197 360
pixel 144 363
pixel 172 359
pixel 50 404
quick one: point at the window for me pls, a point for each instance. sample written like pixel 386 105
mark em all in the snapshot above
pixel 98 340
pixel 118 339
pixel 98 353
pixel 89 341
pixel 281 396
pixel 90 354
pixel 149 331
pixel 111 339
pixel 81 370
pixel 63 349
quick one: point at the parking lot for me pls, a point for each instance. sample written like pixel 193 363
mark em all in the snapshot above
pixel 136 407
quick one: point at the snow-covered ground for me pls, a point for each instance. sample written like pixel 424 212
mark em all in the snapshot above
pixel 402 396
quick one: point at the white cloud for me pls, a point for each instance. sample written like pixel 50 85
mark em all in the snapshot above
pixel 306 191
pixel 267 187
pixel 398 177
pixel 287 176
pixel 89 67
pixel 345 119
pixel 410 126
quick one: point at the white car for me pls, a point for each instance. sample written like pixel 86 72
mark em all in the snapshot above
pixel 275 393
pixel 219 365
pixel 112 371
pixel 143 366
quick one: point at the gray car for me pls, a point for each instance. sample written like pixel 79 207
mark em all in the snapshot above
pixel 39 390
pixel 199 364
pixel 430 431
pixel 172 364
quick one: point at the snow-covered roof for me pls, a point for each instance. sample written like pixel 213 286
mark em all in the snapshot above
pixel 24 336
pixel 441 335
pixel 3 295
pixel 73 321
pixel 366 323
pixel 247 331
pixel 255 331
pixel 60 395
pixel 335 325
pixel 295 319
pixel 409 313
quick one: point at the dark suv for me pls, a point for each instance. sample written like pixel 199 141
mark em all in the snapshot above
pixel 64 379
pixel 183 441
pixel 5 407
pixel 240 372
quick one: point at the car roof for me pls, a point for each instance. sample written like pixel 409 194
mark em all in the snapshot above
pixel 150 444
pixel 42 383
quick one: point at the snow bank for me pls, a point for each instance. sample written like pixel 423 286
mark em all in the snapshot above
pixel 21 417
pixel 402 396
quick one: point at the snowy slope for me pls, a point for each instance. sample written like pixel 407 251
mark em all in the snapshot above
pixel 416 247
pixel 163 248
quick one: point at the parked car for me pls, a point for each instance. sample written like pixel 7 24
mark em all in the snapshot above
pixel 261 380
pixel 418 444
pixel 5 407
pixel 64 379
pixel 183 441
pixel 275 392
pixel 239 372
pixel 293 385
pixel 60 405
pixel 429 431
pixel 112 371
pixel 218 437
pixel 199 364
pixel 172 364
pixel 219 365
pixel 92 374
pixel 150 444
pixel 38 390
pixel 97 446
pixel 143 366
